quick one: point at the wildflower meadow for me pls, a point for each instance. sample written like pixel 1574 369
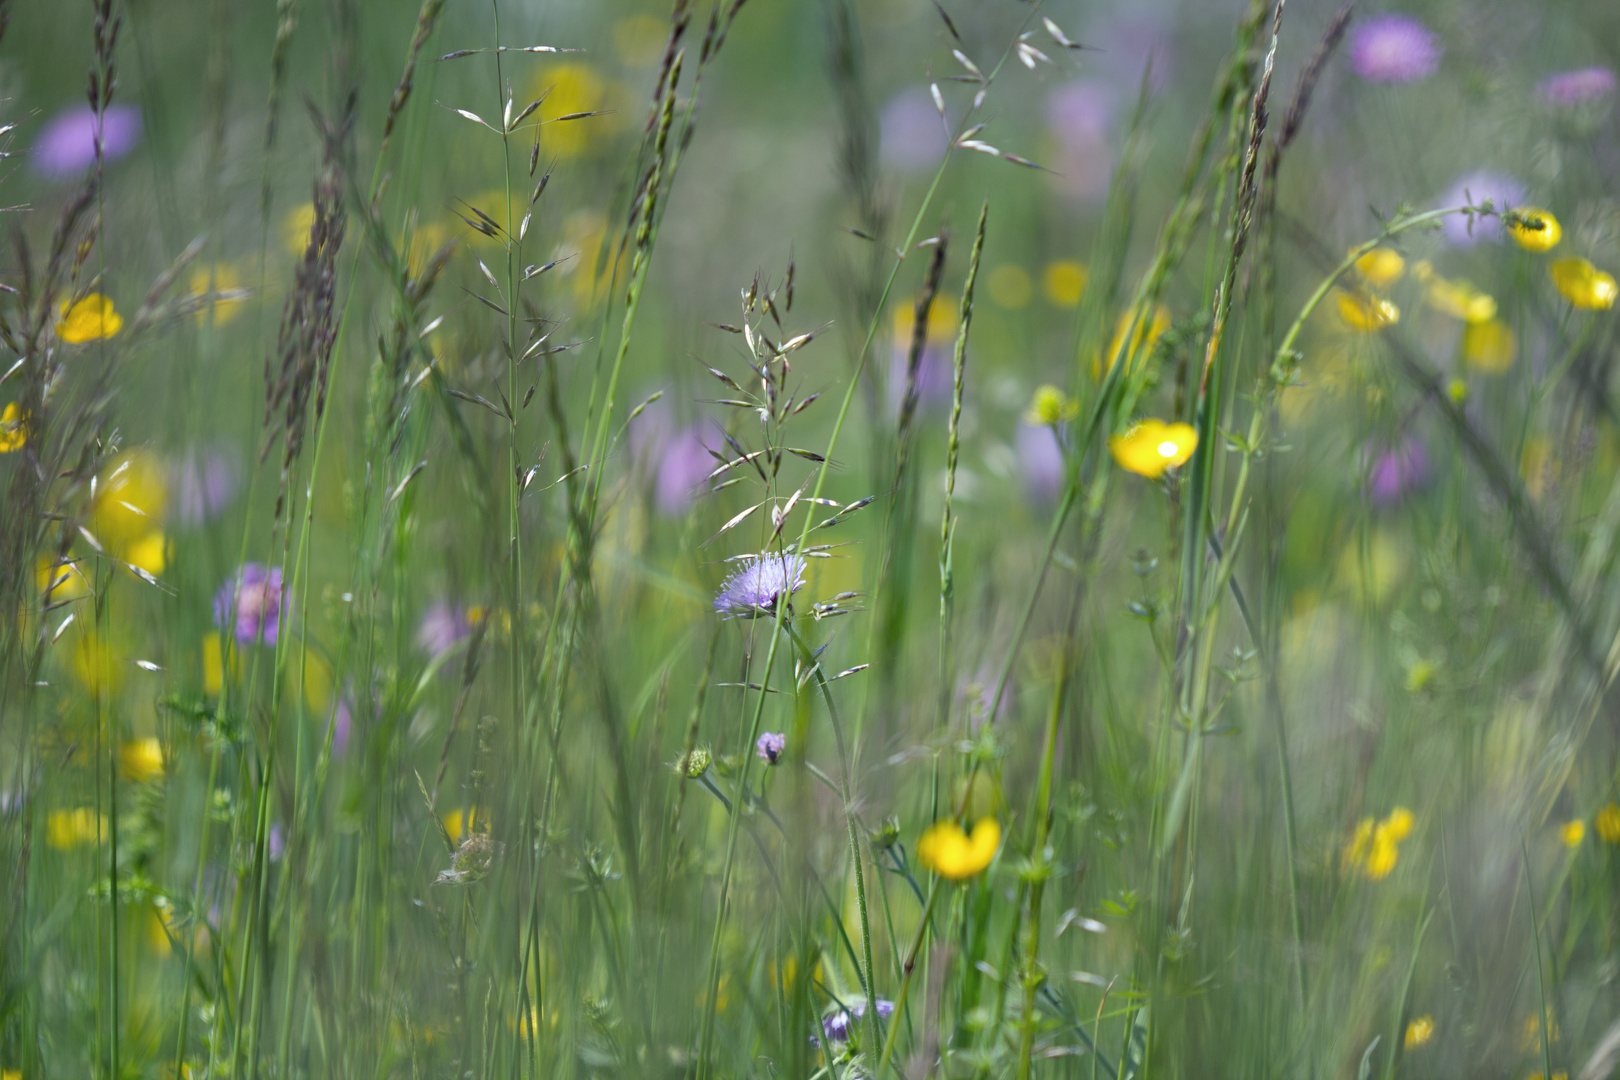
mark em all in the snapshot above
pixel 816 539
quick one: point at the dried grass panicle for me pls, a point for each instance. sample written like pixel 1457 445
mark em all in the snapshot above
pixel 426 21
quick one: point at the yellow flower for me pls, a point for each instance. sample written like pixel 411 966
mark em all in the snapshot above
pixel 295 227
pixel 1010 286
pixel 1367 313
pixel 1381 267
pixel 91 318
pixel 66 829
pixel 1583 284
pixel 1148 333
pixel 95 665
pixel 11 429
pixel 458 823
pixel 1064 281
pixel 1559 1075
pixel 1051 406
pixel 1489 346
pixel 209 282
pixel 1461 300
pixel 1374 847
pixel 1534 228
pixel 951 853
pixel 1419 1031
pixel 1381 860
pixel 130 501
pixel 10 1074
pixel 66 582
pixel 142 760
pixel 1153 446
pixel 941 321
pixel 214 665
pixel 1355 852
pixel 1457 390
pixel 1572 833
pixel 1607 824
pixel 1398 826
pixel 150 553
pixel 570 88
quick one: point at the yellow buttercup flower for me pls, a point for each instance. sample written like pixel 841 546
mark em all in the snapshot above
pixel 1064 281
pixel 1419 1031
pixel 1367 313
pixel 951 853
pixel 1583 284
pixel 1051 406
pixel 96 666
pixel 1398 826
pixel 1607 824
pixel 1461 300
pixel 1374 847
pixel 130 501
pixel 142 760
pixel 1534 228
pixel 1148 333
pixel 11 429
pixel 91 318
pixel 150 553
pixel 66 829
pixel 1381 267
pixel 1572 833
pixel 210 282
pixel 295 228
pixel 1489 346
pixel 569 89
pixel 1153 446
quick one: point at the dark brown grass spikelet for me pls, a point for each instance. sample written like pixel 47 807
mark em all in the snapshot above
pixel 426 19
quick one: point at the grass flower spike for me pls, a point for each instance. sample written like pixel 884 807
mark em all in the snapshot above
pixel 1534 229
pixel 1152 446
pixel 951 853
pixel 88 320
pixel 1583 284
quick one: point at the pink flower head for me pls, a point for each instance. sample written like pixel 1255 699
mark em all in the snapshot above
pixel 1397 472
pixel 1582 86
pixel 770 746
pixel 911 135
pixel 1394 48
pixel 204 483
pixel 1080 116
pixel 256 593
pixel 1040 459
pixel 443 626
pixel 67 144
pixel 1502 191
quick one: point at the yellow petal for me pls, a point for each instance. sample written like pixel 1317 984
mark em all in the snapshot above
pixel 1381 267
pixel 91 318
pixel 1367 313
pixel 1534 228
pixel 1583 284
pixel 1153 446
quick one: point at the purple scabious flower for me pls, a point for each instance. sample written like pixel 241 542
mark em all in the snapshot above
pixel 1394 48
pixel 1582 86
pixel 204 484
pixel 256 592
pixel 1040 459
pixel 755 589
pixel 911 135
pixel 443 626
pixel 684 465
pixel 67 144
pixel 837 1026
pixel 1502 191
pixel 1080 116
pixel 1397 472
pixel 770 747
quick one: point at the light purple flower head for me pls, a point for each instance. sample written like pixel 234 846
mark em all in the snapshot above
pixel 1502 191
pixel 67 144
pixel 443 626
pixel 277 846
pixel 342 727
pixel 936 375
pixel 837 1026
pixel 1080 116
pixel 1040 459
pixel 1582 86
pixel 1397 472
pixel 684 466
pixel 755 589
pixel 205 482
pixel 257 593
pixel 911 136
pixel 1394 48
pixel 770 747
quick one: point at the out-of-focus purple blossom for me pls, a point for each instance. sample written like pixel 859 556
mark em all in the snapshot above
pixel 342 728
pixel 443 626
pixel 683 468
pixel 837 1026
pixel 1579 87
pixel 1133 42
pixel 1394 48
pixel 770 747
pixel 277 845
pixel 936 375
pixel 1040 460
pixel 257 594
pixel 1502 191
pixel 12 802
pixel 205 482
pixel 911 135
pixel 755 589
pixel 1397 472
pixel 67 144
pixel 1080 116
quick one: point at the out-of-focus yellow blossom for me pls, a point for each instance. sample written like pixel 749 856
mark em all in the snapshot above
pixel 67 829
pixel 1419 1031
pixel 1607 824
pixel 295 227
pixel 1537 466
pixel 142 760
pixel 1153 446
pixel 1534 228
pixel 1572 833
pixel 68 579
pixel 96 666
pixel 1457 390
pixel 1367 313
pixel 570 88
pixel 1051 406
pixel 428 238
pixel 1398 826
pixel 954 854
pixel 91 319
pixel 213 662
pixel 210 282
pixel 1148 333
pixel 1064 282
pixel 941 321
pixel 1489 346
pixel 10 1074
pixel 1584 285
pixel 1531 1035
pixel 150 553
pixel 11 429
pixel 458 823
pixel 1461 300
pixel 1010 286
pixel 157 934
pixel 581 261
pixel 1374 847
pixel 1559 1075
pixel 1381 267
pixel 640 39
pixel 130 501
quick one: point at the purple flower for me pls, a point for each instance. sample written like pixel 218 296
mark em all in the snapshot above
pixel 1579 87
pixel 1397 472
pixel 443 626
pixel 256 592
pixel 277 845
pixel 936 374
pixel 763 580
pixel 1080 115
pixel 1394 49
pixel 770 747
pixel 911 133
pixel 683 471
pixel 204 484
pixel 837 1026
pixel 342 728
pixel 1502 191
pixel 67 144
pixel 1040 459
